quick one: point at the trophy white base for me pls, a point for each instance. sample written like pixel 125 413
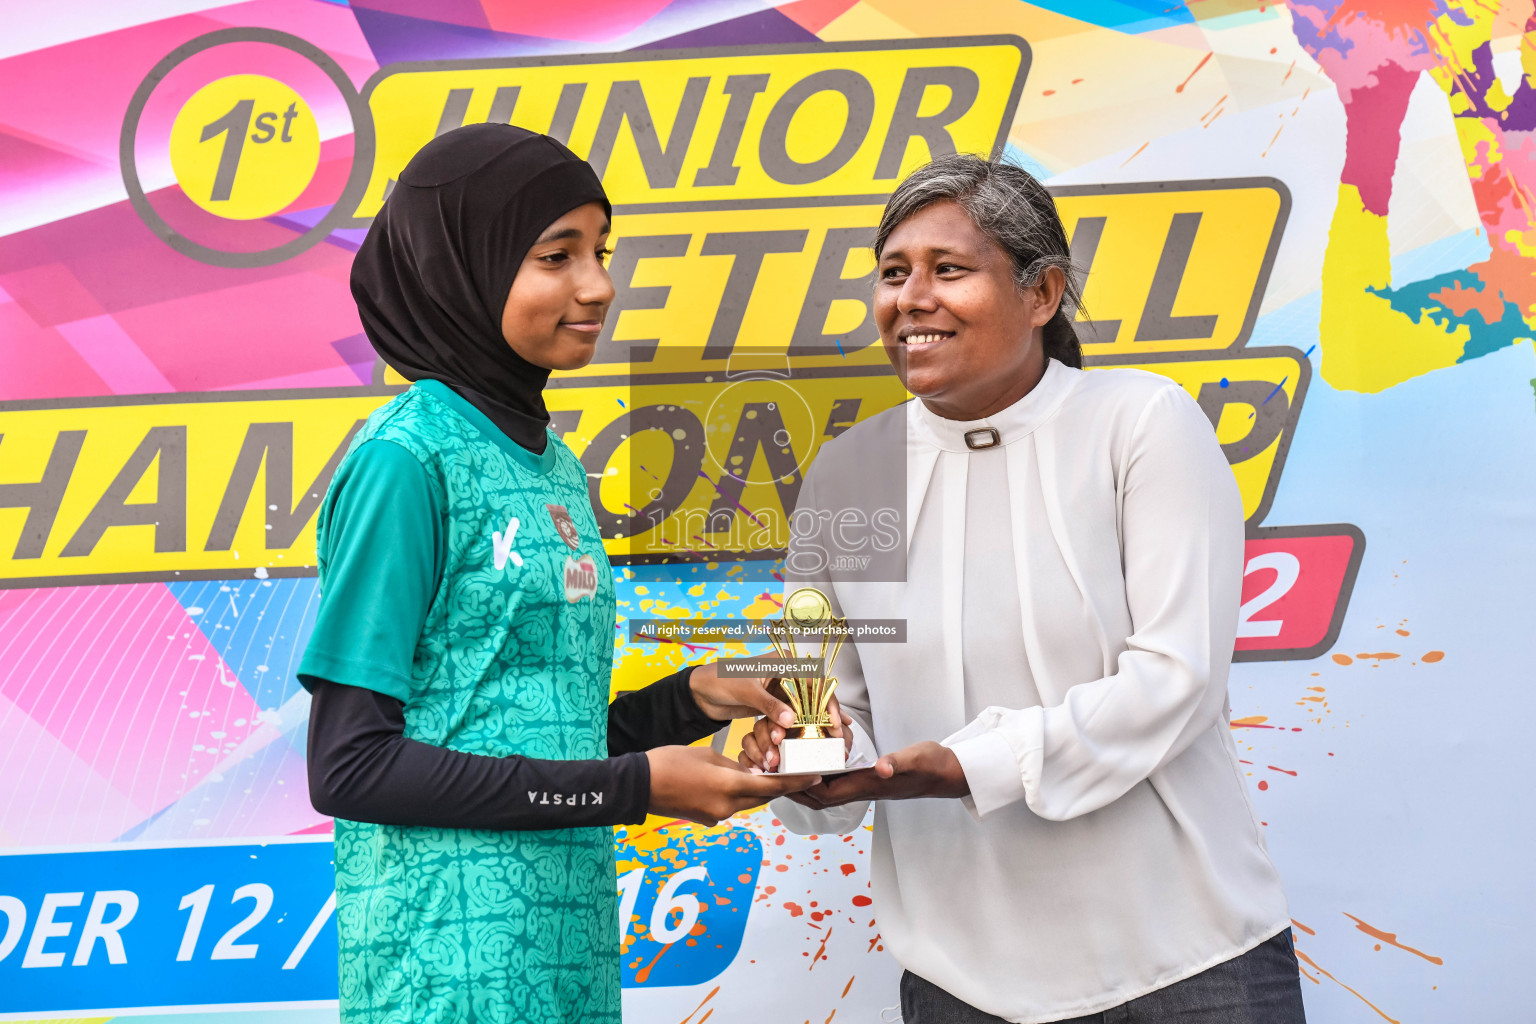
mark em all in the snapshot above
pixel 799 756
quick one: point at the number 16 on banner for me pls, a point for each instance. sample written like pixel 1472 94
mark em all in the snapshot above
pixel 686 892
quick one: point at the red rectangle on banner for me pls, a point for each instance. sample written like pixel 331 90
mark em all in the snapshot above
pixel 1296 586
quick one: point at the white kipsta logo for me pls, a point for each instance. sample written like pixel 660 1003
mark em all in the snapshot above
pixel 580 578
pixel 501 546
pixel 568 799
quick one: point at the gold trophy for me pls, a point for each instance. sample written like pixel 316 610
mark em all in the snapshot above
pixel 807 748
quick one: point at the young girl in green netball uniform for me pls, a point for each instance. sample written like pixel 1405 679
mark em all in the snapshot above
pixel 460 731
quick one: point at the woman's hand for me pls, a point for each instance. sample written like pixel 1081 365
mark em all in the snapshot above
pixel 760 747
pixel 925 769
pixel 726 698
pixel 697 784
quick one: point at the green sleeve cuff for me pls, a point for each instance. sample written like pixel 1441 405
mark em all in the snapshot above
pixel 351 671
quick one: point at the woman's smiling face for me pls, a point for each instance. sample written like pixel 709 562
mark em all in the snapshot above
pixel 961 335
pixel 561 293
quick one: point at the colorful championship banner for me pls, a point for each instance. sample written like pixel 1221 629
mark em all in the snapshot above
pixel 1313 218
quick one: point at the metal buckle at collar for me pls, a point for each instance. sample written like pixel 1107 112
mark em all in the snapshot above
pixel 982 437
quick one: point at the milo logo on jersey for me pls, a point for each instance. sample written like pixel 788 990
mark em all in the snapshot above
pixel 580 578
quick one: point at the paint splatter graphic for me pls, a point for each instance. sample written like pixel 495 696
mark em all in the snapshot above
pixel 1376 333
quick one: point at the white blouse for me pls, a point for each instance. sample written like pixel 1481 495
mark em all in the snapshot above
pixel 1071 606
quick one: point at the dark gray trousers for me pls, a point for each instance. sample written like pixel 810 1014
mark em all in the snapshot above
pixel 1262 986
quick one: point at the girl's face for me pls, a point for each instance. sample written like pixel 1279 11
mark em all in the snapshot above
pixel 561 293
pixel 962 336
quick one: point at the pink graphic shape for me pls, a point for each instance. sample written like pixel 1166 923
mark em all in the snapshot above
pixel 36 362
pixel 815 15
pixel 195 323
pixel 331 377
pixel 467 13
pixel 42 88
pixel 122 676
pixel 50 293
pixel 59 145
pixel 587 21
pixel 1372 116
pixel 74 804
pixel 116 257
pixel 113 355
pixel 330 26
pixel 286 322
pixel 35 168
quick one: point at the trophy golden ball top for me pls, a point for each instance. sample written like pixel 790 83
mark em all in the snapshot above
pixel 807 608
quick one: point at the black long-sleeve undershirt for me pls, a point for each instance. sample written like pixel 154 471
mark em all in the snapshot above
pixel 363 768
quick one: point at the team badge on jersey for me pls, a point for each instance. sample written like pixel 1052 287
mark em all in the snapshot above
pixel 580 578
pixel 564 525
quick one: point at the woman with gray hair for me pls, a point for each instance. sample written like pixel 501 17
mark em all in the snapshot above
pixel 1062 828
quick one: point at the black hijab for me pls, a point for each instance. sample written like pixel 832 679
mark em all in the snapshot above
pixel 432 276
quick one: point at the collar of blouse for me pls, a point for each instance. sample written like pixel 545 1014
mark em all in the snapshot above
pixel 1002 428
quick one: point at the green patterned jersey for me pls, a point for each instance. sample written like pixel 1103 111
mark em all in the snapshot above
pixel 465 576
